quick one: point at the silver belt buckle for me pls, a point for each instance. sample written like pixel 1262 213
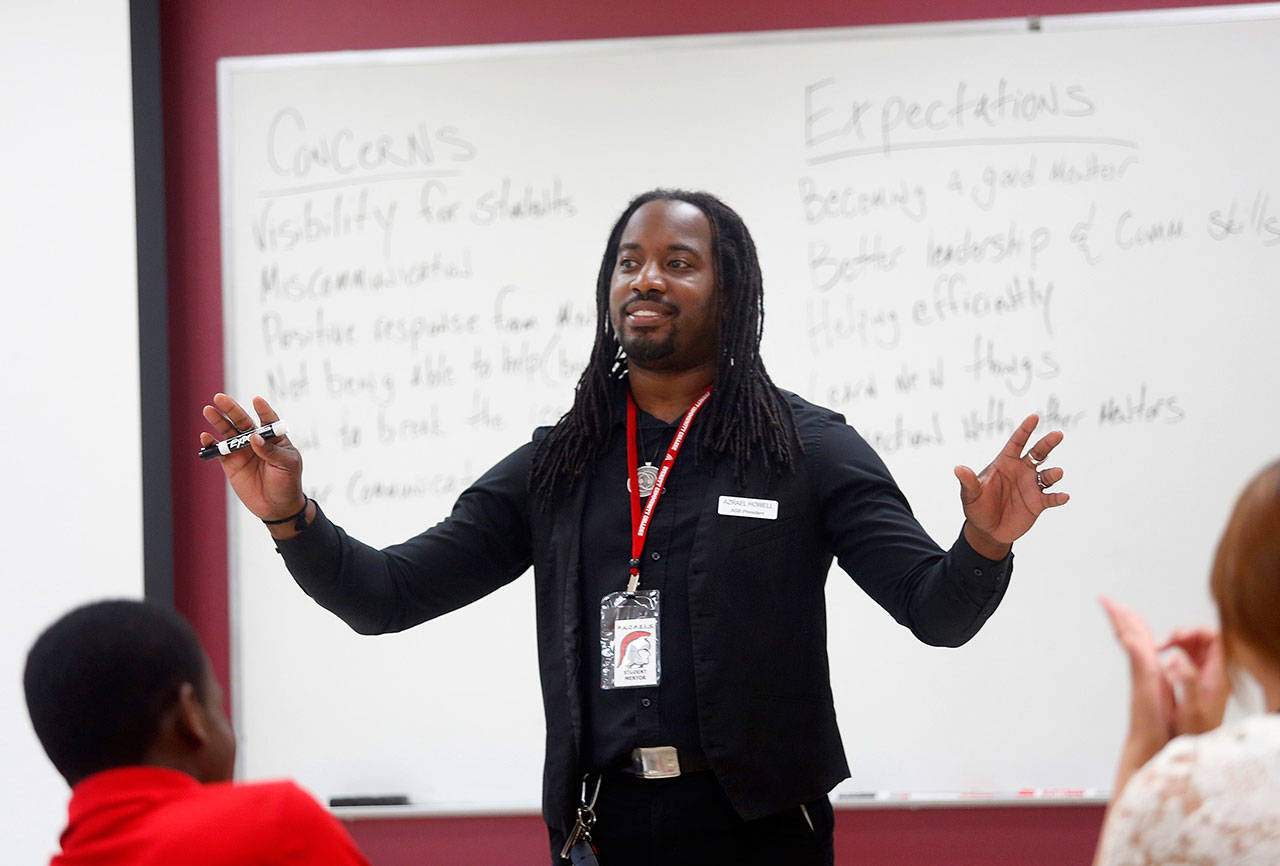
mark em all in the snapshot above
pixel 656 762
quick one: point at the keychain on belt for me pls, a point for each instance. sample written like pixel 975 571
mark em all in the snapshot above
pixel 629 637
pixel 578 849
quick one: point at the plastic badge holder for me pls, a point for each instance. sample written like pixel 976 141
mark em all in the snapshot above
pixel 629 656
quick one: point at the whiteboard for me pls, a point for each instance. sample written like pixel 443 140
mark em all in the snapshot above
pixel 956 228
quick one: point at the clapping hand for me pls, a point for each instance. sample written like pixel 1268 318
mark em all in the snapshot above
pixel 1184 694
pixel 1197 670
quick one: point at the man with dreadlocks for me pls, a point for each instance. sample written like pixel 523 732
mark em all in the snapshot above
pixel 719 743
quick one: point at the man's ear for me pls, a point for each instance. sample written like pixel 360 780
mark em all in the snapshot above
pixel 190 721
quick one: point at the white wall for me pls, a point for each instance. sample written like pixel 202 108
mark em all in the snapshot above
pixel 72 517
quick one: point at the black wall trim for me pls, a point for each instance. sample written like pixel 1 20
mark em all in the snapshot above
pixel 153 304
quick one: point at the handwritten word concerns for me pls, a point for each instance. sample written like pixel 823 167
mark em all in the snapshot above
pixel 294 150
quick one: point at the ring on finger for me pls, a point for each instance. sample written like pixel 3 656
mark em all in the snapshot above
pixel 1040 481
pixel 1035 461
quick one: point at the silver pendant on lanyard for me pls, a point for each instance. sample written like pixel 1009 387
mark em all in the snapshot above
pixel 646 476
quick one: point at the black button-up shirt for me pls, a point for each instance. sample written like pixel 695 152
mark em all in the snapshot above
pixel 619 720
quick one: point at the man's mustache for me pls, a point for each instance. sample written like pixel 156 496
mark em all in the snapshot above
pixel 652 298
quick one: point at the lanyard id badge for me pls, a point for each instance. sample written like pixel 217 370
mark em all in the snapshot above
pixel 629 639
pixel 629 636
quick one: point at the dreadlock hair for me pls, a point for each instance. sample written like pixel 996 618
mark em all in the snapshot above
pixel 745 417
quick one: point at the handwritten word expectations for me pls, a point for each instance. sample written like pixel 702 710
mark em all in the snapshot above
pixel 835 118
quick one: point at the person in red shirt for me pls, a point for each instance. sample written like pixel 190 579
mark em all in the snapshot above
pixel 123 699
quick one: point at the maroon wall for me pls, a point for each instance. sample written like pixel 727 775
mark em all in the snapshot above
pixel 194 34
pixel 1008 836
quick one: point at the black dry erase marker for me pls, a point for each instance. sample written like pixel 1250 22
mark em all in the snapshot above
pixel 241 440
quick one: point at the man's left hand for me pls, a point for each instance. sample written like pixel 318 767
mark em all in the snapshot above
pixel 1003 501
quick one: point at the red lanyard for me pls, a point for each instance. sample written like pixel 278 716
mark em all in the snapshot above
pixel 640 520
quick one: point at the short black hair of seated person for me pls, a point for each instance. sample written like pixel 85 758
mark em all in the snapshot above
pixel 99 680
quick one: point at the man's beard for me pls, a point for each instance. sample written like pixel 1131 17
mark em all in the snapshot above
pixel 644 349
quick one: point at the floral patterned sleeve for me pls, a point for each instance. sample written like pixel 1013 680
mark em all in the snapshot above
pixel 1209 800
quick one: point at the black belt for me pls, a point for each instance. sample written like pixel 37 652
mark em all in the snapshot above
pixel 663 762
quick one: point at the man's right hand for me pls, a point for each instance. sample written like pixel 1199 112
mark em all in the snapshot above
pixel 266 476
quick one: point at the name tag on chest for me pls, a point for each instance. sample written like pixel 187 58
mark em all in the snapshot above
pixel 740 506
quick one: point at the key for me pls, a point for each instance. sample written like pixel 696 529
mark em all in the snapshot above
pixel 577 834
